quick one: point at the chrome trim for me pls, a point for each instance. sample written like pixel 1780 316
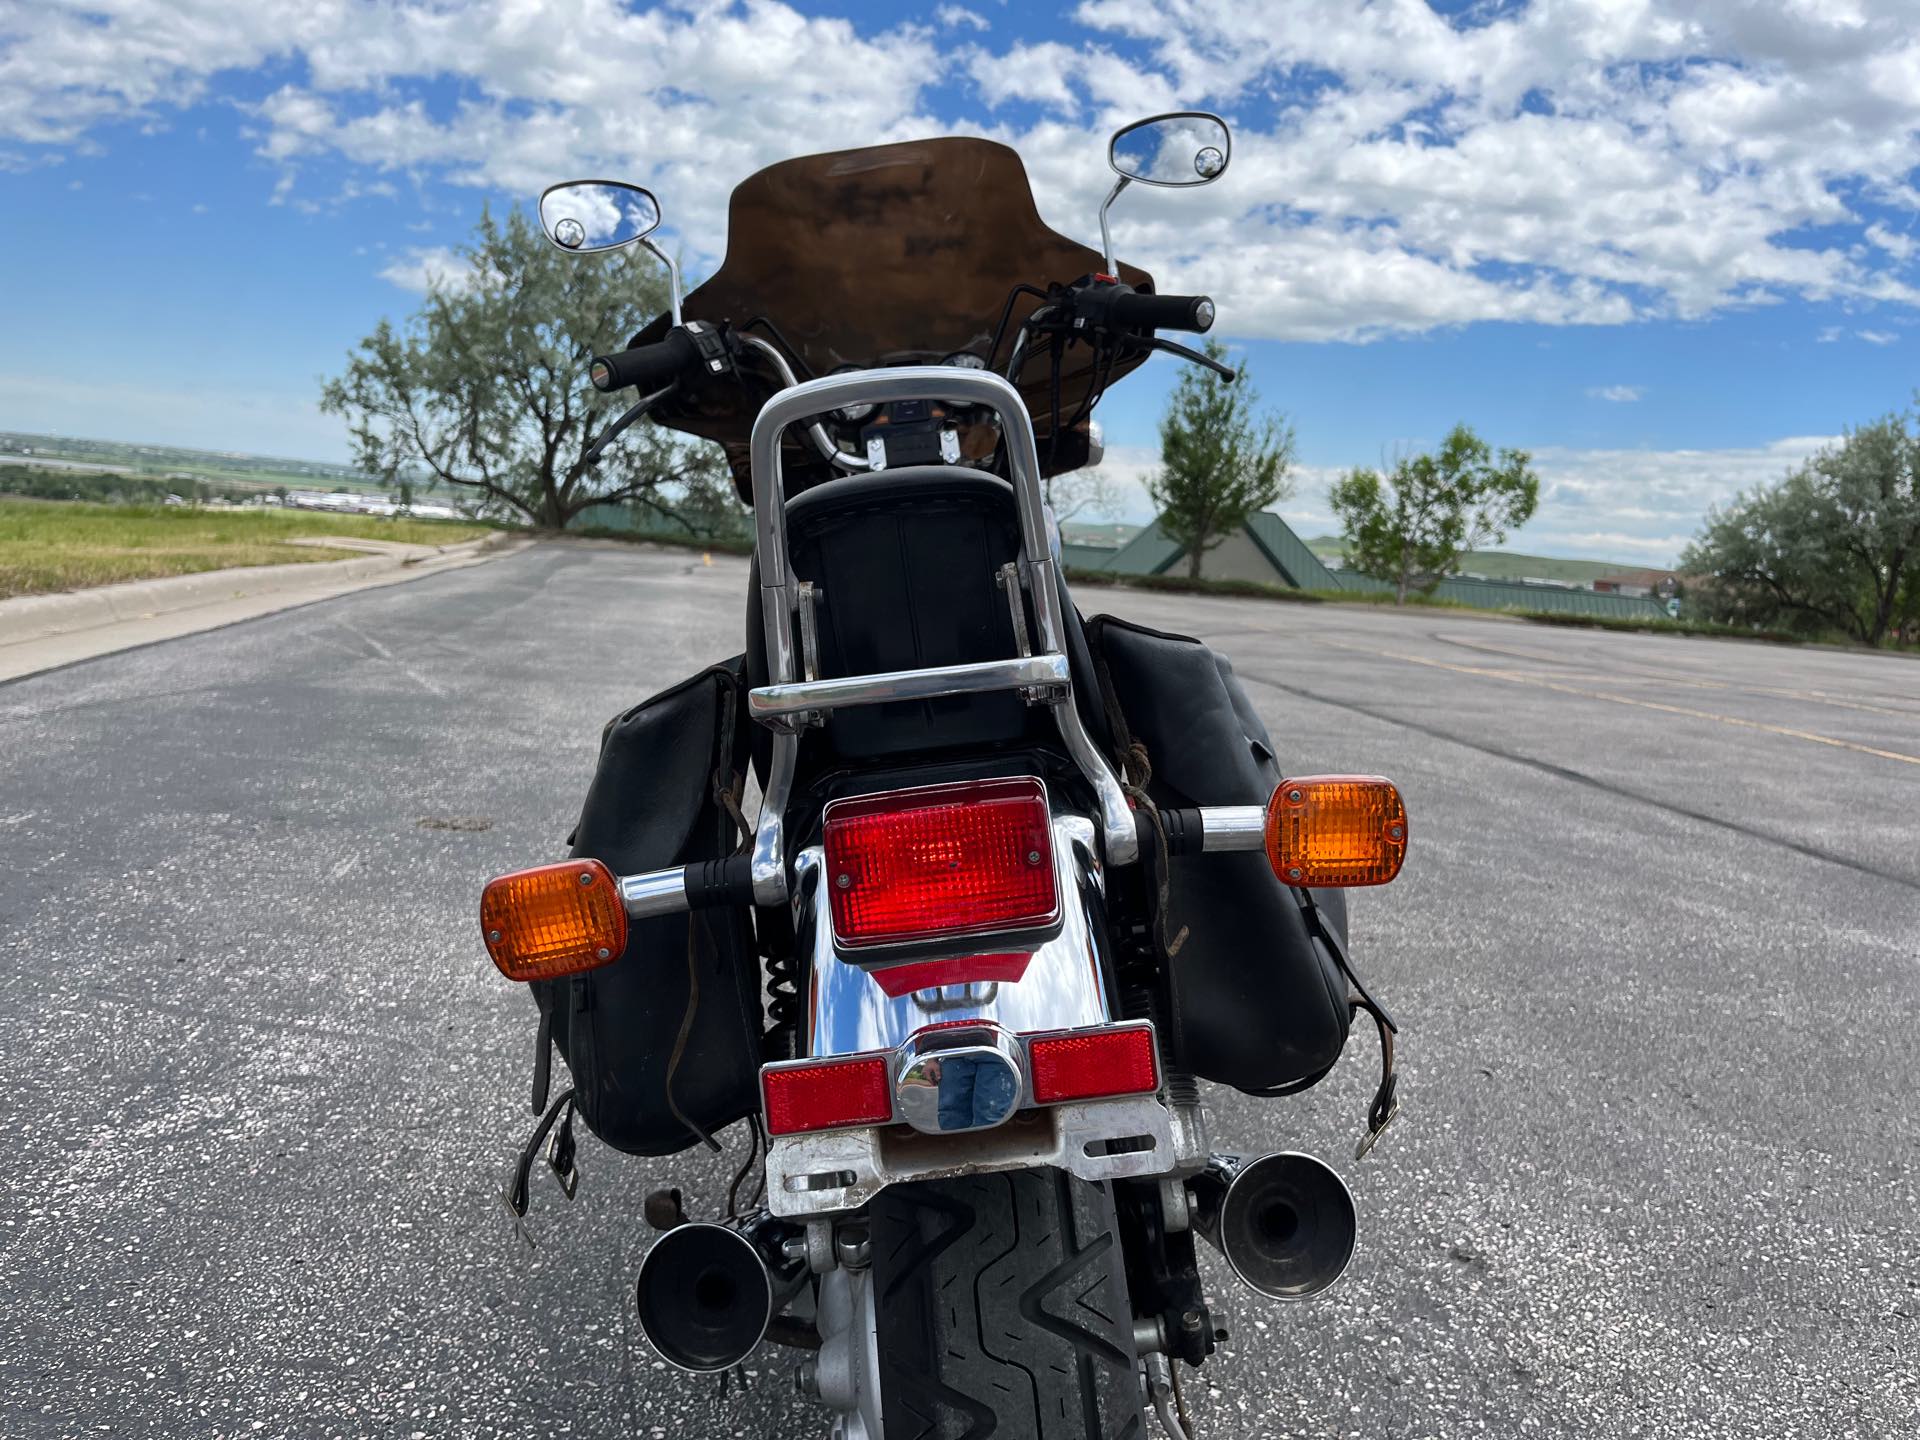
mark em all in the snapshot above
pixel 1062 989
pixel 809 631
pixel 983 677
pixel 1121 840
pixel 921 1076
pixel 1226 157
pixel 835 1170
pixel 656 892
pixel 769 835
pixel 1233 827
pixel 976 387
pixel 879 387
pixel 673 275
pixel 816 432
pixel 1007 577
pixel 1106 235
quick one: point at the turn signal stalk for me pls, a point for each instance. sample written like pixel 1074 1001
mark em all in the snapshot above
pixel 554 920
pixel 1325 831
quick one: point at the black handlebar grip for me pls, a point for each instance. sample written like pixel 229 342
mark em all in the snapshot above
pixel 1164 312
pixel 648 366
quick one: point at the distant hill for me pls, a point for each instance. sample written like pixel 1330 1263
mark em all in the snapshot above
pixel 226 467
pixel 1504 564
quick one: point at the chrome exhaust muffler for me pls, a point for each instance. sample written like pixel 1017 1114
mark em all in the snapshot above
pixel 707 1291
pixel 1285 1221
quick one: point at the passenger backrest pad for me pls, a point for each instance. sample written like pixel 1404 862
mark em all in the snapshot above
pixel 903 564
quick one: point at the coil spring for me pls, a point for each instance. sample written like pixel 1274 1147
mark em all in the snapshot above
pixel 783 1005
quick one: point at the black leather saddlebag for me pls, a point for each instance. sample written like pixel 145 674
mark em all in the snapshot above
pixel 1256 1003
pixel 664 1043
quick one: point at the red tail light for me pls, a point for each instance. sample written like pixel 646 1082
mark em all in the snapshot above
pixel 823 1095
pixel 1091 1064
pixel 967 859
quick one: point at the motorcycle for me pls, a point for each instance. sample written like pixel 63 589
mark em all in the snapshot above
pixel 1018 882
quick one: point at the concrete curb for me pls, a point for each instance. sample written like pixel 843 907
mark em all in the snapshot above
pixel 38 632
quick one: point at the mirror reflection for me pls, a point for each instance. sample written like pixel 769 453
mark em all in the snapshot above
pixel 589 215
pixel 964 1089
pixel 1185 149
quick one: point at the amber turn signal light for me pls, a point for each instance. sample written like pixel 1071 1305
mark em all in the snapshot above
pixel 1336 830
pixel 553 920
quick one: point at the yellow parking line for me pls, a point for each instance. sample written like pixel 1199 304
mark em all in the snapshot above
pixel 1607 695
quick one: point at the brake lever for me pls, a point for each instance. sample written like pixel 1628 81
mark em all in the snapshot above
pixel 1226 372
pixel 614 431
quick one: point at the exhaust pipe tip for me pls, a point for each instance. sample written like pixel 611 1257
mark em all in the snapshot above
pixel 705 1297
pixel 1285 1222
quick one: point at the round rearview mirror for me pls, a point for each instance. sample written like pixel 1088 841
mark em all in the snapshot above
pixel 1189 147
pixel 586 216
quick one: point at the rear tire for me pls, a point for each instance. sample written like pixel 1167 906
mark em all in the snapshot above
pixel 1002 1311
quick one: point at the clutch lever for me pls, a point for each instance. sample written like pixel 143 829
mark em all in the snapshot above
pixel 618 427
pixel 1226 372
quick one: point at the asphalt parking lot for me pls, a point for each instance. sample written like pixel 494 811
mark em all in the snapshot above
pixel 1656 955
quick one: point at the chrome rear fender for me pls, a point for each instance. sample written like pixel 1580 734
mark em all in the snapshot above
pixel 1064 986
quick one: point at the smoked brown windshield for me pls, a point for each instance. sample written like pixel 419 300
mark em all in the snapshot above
pixel 897 254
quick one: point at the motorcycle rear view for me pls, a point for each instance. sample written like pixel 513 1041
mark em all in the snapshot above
pixel 1018 882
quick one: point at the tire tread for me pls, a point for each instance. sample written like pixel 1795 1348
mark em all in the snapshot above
pixel 1003 1311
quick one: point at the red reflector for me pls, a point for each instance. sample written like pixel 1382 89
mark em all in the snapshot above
pixel 965 859
pixel 1088 1064
pixel 826 1094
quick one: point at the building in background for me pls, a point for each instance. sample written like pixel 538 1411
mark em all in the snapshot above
pixel 1266 551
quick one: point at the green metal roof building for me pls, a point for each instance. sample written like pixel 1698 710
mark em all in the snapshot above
pixel 1265 550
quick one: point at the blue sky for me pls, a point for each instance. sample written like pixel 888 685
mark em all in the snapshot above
pixel 1669 248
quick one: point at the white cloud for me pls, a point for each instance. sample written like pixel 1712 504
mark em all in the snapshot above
pixel 1645 504
pixel 1619 394
pixel 1898 244
pixel 423 268
pixel 1582 162
pixel 959 17
pixel 1878 337
pixel 1829 333
pixel 1638 505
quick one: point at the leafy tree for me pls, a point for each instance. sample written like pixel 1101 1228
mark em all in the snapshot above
pixel 1221 460
pixel 486 385
pixel 1833 545
pixel 1411 527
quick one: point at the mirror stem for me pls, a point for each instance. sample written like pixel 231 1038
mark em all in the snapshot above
pixel 673 272
pixel 1106 239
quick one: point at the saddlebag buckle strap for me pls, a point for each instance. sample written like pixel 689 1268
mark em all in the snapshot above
pixel 516 1197
pixel 1386 1099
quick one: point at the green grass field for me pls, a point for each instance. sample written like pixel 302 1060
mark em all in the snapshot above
pixel 52 545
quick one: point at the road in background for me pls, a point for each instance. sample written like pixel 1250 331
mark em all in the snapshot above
pixel 1656 954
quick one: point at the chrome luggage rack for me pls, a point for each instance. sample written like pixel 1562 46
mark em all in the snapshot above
pixel 792 700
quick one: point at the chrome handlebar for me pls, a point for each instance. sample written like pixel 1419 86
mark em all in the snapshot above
pixel 816 432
